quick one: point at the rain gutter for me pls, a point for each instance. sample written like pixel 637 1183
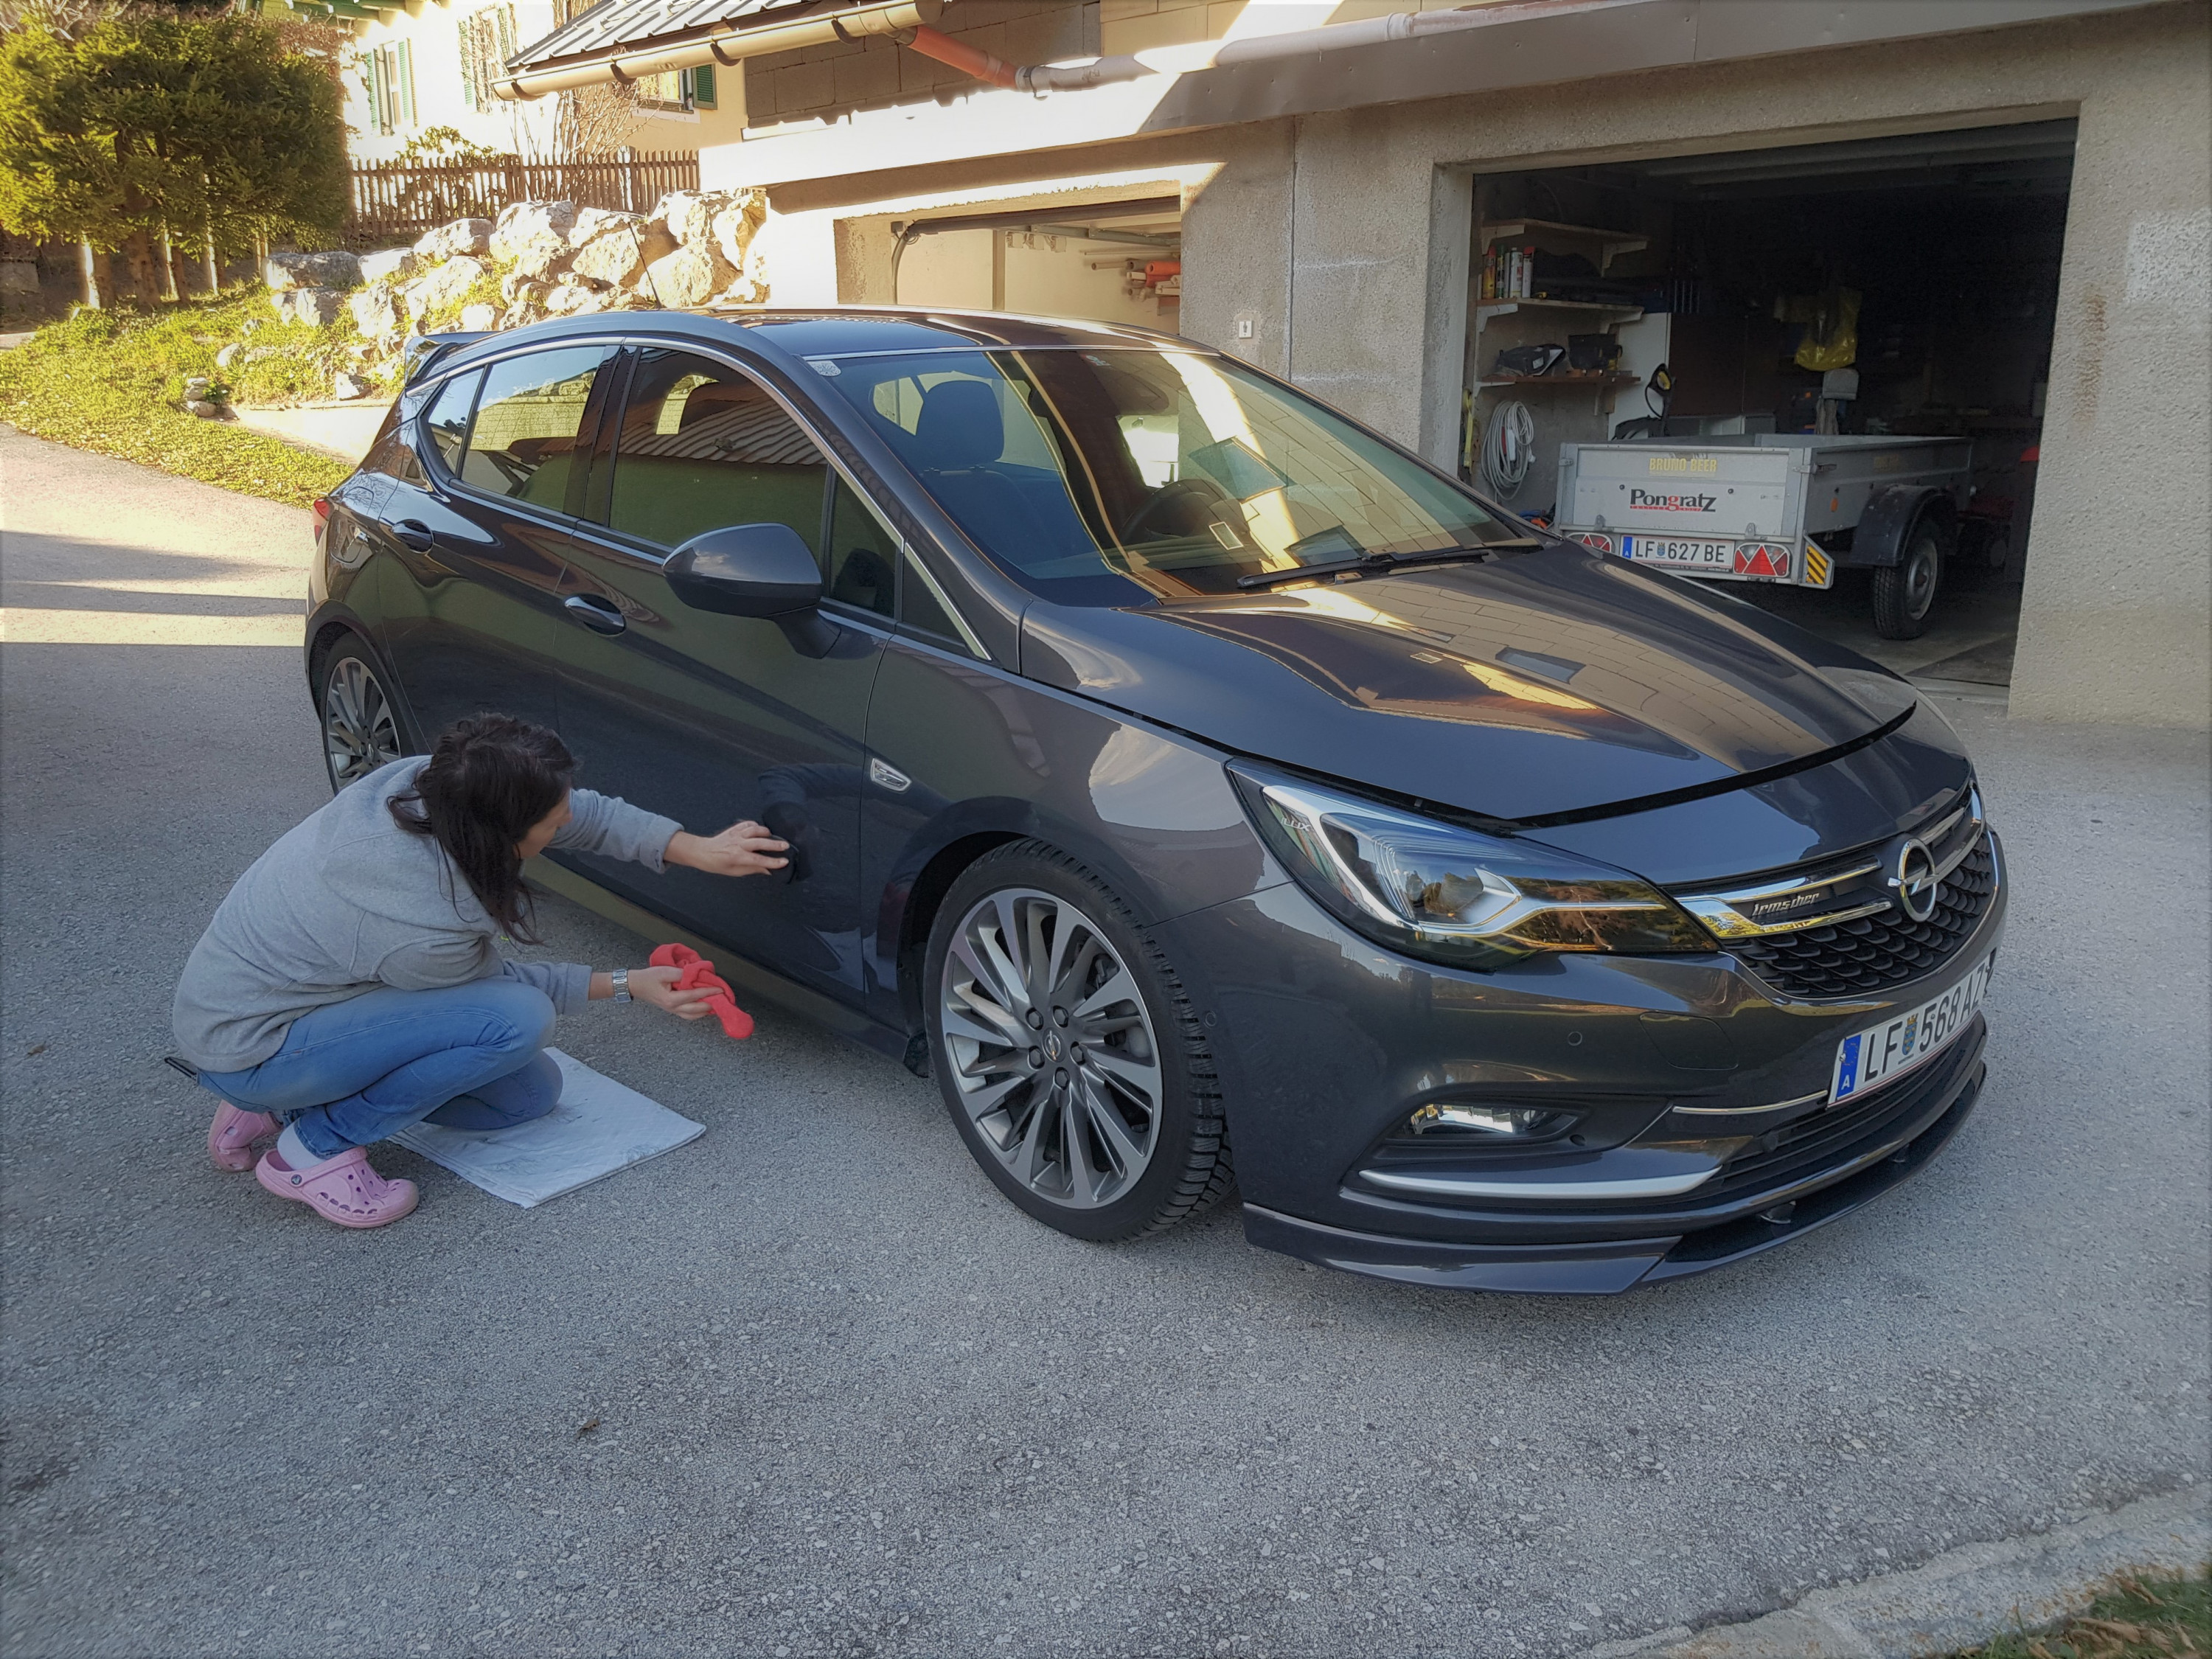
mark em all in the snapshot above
pixel 726 45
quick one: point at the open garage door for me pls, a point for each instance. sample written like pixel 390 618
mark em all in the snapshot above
pixel 1875 293
pixel 1113 262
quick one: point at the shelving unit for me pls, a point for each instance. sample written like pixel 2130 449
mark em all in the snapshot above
pixel 1602 247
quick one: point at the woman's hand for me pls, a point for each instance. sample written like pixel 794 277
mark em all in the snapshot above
pixel 743 849
pixel 657 987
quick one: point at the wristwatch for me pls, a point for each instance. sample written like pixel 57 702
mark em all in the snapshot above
pixel 622 985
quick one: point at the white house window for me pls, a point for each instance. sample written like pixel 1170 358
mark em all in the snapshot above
pixel 690 89
pixel 487 42
pixel 391 86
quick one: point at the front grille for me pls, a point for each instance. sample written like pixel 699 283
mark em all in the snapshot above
pixel 1871 954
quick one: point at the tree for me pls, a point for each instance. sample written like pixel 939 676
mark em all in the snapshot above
pixel 154 122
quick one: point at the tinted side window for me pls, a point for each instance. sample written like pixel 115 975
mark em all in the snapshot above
pixel 703 447
pixel 447 421
pixel 861 569
pixel 920 610
pixel 523 442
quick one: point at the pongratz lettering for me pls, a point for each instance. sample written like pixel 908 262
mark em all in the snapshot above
pixel 1672 503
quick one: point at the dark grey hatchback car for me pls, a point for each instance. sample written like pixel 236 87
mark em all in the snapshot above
pixel 1173 765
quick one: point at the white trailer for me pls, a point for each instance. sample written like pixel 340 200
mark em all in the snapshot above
pixel 1778 506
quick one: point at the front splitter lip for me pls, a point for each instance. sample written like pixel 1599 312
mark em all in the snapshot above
pixel 1602 1267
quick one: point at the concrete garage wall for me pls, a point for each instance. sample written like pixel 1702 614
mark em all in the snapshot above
pixel 2118 606
pixel 1345 237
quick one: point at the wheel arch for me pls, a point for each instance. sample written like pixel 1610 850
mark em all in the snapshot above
pixel 1886 526
pixel 923 899
pixel 324 631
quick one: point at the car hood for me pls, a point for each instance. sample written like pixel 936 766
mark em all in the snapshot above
pixel 1541 684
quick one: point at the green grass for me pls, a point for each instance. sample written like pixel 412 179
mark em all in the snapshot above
pixel 2139 1618
pixel 113 381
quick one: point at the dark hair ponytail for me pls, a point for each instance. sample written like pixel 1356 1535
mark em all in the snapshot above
pixel 490 777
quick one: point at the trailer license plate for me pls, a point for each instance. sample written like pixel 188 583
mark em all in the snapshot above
pixel 1690 554
pixel 1916 1036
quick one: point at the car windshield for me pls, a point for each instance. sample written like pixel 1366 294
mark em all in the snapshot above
pixel 1085 471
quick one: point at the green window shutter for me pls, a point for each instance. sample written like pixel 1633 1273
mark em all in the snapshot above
pixel 471 61
pixel 407 83
pixel 702 86
pixel 379 89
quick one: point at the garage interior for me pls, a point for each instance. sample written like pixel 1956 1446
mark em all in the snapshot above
pixel 1734 272
pixel 1112 262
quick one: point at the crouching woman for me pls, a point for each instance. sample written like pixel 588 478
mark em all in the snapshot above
pixel 349 985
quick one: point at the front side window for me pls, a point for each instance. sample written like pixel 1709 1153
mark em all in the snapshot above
pixel 703 447
pixel 1083 472
pixel 530 421
pixel 861 564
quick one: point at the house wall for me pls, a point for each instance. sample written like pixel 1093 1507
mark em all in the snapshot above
pixel 434 33
pixel 431 30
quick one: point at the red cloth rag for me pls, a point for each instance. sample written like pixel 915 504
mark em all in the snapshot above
pixel 698 971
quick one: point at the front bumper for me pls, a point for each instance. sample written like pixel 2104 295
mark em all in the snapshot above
pixel 1604 1268
pixel 1326 1045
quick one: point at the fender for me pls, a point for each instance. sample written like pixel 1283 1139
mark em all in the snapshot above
pixel 965 756
pixel 1880 537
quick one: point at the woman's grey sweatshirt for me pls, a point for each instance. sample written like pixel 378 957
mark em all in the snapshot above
pixel 347 900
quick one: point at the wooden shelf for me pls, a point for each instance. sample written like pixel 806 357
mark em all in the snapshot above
pixel 1609 242
pixel 1586 307
pixel 1615 378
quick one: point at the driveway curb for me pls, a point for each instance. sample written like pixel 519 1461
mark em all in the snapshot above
pixel 1961 1598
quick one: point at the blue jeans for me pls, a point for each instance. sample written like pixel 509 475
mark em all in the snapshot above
pixel 468 1057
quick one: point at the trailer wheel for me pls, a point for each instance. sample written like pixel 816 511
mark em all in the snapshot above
pixel 1905 592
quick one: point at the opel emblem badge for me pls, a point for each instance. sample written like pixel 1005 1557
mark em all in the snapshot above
pixel 1052 1044
pixel 1915 880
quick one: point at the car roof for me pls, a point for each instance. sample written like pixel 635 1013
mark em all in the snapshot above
pixel 833 331
pixel 842 330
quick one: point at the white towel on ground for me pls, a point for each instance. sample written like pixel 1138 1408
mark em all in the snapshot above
pixel 598 1127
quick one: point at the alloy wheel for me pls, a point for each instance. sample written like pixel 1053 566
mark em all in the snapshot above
pixel 359 731
pixel 1052 1049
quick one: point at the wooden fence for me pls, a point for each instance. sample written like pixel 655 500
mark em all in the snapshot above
pixel 394 202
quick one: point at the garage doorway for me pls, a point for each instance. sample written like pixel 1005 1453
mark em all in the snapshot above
pixel 1900 286
pixel 1110 262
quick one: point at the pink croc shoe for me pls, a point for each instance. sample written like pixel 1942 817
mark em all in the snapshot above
pixel 231 1136
pixel 343 1189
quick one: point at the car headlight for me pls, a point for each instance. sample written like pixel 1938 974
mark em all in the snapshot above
pixel 1451 895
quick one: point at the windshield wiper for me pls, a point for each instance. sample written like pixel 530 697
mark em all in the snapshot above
pixel 1376 564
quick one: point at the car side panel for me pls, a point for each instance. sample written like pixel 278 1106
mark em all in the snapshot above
pixel 987 753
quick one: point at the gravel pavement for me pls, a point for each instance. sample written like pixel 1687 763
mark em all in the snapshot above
pixel 808 1386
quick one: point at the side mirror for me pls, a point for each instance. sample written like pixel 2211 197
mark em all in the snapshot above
pixel 746 570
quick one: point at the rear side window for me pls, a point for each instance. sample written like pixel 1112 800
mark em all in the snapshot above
pixel 703 447
pixel 530 419
pixel 447 422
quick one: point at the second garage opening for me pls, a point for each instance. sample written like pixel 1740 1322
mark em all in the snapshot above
pixel 1824 364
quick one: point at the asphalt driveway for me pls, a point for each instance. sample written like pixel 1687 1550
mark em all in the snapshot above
pixel 849 1402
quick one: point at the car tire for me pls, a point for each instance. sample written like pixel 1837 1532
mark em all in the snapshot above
pixel 1115 1064
pixel 363 728
pixel 1905 592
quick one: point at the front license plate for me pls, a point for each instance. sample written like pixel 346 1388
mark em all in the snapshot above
pixel 1689 555
pixel 1875 1055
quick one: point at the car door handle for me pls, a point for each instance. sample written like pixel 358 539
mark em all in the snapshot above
pixel 595 613
pixel 415 534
